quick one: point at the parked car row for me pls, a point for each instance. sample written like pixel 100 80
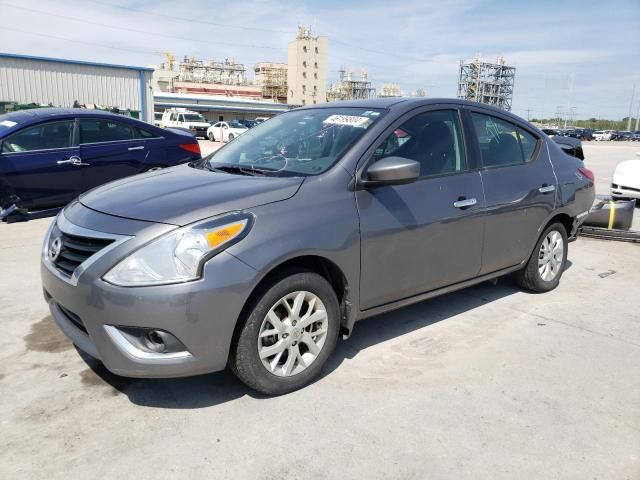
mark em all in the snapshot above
pixel 199 126
pixel 622 136
pixel 597 135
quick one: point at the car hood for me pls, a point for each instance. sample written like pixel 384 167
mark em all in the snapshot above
pixel 183 195
pixel 629 167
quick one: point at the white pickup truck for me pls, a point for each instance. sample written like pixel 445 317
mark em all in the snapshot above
pixel 185 119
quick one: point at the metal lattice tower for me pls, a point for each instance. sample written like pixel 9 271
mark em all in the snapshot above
pixel 490 83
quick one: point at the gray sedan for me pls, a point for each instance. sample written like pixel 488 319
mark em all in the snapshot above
pixel 262 254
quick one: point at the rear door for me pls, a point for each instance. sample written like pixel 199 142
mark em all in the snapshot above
pixel 519 185
pixel 110 149
pixel 39 166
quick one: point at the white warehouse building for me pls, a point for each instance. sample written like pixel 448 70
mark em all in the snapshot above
pixel 27 79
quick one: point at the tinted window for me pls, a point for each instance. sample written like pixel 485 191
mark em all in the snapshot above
pixel 498 140
pixel 194 117
pixel 93 131
pixel 147 134
pixel 432 139
pixel 41 137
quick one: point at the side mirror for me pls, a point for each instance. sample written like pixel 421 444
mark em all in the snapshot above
pixel 392 171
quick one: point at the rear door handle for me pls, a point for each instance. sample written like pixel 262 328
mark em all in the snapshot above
pixel 141 147
pixel 466 202
pixel 72 160
pixel 547 188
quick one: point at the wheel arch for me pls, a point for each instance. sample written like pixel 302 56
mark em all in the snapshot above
pixel 324 267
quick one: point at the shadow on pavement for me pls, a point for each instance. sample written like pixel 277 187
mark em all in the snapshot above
pixel 220 387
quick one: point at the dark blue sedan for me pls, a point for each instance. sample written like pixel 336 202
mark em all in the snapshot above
pixel 49 156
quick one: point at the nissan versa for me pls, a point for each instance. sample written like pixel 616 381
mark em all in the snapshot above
pixel 261 254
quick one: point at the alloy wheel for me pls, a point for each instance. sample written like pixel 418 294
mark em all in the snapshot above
pixel 293 333
pixel 551 256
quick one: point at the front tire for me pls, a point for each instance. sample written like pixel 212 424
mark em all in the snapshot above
pixel 289 332
pixel 544 269
pixel 211 137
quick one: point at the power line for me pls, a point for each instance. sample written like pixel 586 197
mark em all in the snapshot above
pixel 189 20
pixel 135 30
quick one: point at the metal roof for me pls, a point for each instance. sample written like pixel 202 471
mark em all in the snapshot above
pixel 74 62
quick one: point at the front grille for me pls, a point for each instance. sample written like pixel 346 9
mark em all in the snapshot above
pixel 73 318
pixel 75 250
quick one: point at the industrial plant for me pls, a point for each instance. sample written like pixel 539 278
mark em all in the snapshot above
pixel 484 82
pixel 224 88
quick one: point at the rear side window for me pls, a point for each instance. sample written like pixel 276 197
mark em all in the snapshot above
pixel 44 136
pixel 433 139
pixel 502 143
pixel 528 143
pixel 96 131
pixel 146 134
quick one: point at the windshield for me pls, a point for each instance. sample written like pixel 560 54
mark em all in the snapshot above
pixel 235 124
pixel 194 117
pixel 303 142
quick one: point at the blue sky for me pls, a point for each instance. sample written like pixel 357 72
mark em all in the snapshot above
pixel 593 46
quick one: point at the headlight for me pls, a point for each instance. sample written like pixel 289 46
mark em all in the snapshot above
pixel 179 255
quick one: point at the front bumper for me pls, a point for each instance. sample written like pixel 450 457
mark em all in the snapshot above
pixel 626 191
pixel 201 314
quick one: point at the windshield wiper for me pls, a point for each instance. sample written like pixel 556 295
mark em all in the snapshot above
pixel 235 169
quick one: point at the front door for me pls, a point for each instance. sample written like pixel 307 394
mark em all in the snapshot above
pixel 39 166
pixel 110 150
pixel 427 234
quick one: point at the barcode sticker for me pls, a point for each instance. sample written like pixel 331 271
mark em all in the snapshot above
pixel 350 120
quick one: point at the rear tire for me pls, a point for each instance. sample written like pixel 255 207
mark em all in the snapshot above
pixel 544 268
pixel 231 137
pixel 288 334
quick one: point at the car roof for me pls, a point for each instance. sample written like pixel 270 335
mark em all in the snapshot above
pixel 409 103
pixel 22 118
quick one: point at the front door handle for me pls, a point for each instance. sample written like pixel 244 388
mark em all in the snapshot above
pixel 547 188
pixel 465 202
pixel 141 147
pixel 65 161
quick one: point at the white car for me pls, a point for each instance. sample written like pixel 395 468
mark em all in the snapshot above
pixel 225 131
pixel 626 180
pixel 601 135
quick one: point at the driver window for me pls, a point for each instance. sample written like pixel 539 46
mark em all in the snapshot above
pixel 433 139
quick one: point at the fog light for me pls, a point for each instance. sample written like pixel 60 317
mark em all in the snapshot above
pixel 154 340
pixel 145 342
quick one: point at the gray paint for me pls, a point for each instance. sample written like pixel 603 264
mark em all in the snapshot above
pixel 395 245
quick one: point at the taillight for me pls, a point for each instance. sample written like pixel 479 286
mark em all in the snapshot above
pixel 587 173
pixel 191 147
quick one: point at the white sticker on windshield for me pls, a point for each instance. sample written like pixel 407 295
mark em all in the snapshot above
pixel 8 123
pixel 351 120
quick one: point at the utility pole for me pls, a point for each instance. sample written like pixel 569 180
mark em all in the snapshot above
pixel 528 110
pixel 569 99
pixel 638 117
pixel 633 94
